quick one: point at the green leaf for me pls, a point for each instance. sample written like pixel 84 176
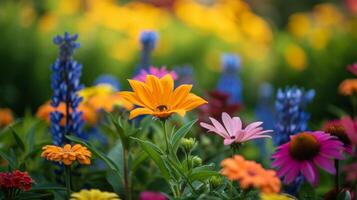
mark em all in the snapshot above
pixel 30 137
pixel 96 152
pixel 202 175
pixel 10 158
pixel 18 140
pixel 116 155
pixel 138 160
pixel 115 181
pixel 154 152
pixel 180 133
pixel 344 195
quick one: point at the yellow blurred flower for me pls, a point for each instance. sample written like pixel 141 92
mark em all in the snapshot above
pixel 299 24
pixel 295 57
pixel 94 194
pixel 27 15
pixel 348 87
pixel 6 117
pixel 47 22
pixel 103 97
pixel 265 196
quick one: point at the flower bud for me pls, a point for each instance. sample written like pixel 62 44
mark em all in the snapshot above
pixel 197 161
pixel 188 143
pixel 216 181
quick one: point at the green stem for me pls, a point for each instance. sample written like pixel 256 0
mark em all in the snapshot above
pixel 67 171
pixel 126 173
pixel 337 166
pixel 163 123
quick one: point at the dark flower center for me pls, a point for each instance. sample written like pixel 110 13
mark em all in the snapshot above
pixel 161 108
pixel 304 146
pixel 339 132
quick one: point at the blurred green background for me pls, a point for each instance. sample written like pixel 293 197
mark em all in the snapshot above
pixel 307 43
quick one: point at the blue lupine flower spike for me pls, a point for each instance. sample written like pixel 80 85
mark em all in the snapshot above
pixel 148 41
pixel 291 117
pixel 229 81
pixel 65 83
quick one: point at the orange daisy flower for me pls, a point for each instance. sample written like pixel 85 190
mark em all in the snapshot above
pixel 250 174
pixel 158 97
pixel 6 117
pixel 67 154
pixel 348 87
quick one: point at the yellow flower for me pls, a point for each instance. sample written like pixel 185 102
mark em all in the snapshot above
pixel 94 194
pixel 295 57
pixel 265 196
pixel 67 154
pixel 103 97
pixel 158 97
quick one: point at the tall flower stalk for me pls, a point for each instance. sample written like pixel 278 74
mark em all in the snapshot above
pixel 148 41
pixel 229 81
pixel 65 84
pixel 291 117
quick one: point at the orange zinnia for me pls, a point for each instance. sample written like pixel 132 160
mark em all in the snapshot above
pixel 348 87
pixel 67 154
pixel 158 97
pixel 6 117
pixel 250 174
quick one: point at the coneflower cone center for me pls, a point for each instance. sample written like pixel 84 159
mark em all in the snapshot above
pixel 304 146
pixel 339 132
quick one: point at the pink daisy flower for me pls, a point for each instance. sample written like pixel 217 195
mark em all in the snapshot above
pixel 158 72
pixel 350 128
pixel 304 152
pixel 232 129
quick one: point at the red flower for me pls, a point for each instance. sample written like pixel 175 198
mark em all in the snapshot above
pixel 15 180
pixel 217 104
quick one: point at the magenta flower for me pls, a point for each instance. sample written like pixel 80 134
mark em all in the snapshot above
pixel 158 72
pixel 232 130
pixel 304 152
pixel 335 128
pixel 350 128
pixel 149 195
pixel 353 68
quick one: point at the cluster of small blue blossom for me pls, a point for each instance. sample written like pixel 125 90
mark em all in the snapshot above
pixel 291 117
pixel 65 84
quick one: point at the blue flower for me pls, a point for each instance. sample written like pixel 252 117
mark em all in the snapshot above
pixel 108 79
pixel 291 117
pixel 184 75
pixel 65 84
pixel 229 81
pixel 148 41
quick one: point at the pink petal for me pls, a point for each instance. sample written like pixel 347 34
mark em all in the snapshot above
pixel 253 125
pixel 219 127
pixel 326 164
pixel 228 141
pixel 227 121
pixel 308 171
pixel 237 123
pixel 294 171
pixel 212 129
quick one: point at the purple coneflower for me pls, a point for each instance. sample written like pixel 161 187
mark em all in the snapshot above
pixel 304 152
